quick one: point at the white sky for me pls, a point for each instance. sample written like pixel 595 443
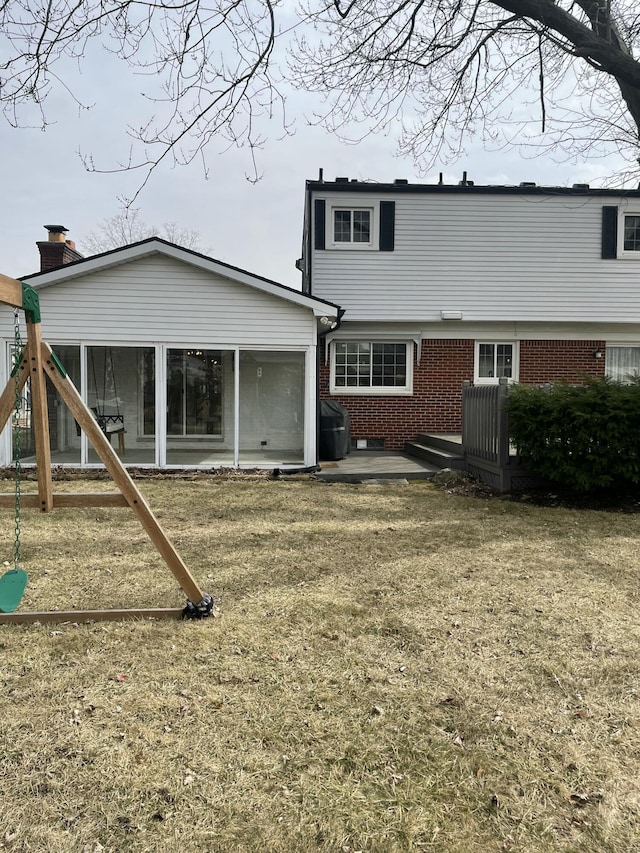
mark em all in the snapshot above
pixel 255 227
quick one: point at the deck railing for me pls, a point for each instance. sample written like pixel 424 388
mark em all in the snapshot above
pixel 485 427
pixel 485 438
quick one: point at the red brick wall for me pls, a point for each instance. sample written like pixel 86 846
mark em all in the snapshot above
pixel 571 361
pixel 437 382
pixel 434 407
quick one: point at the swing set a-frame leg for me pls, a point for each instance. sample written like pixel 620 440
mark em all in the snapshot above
pixel 38 361
pixel 29 366
pixel 40 416
pixel 120 475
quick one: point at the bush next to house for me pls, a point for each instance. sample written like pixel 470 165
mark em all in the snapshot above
pixel 582 437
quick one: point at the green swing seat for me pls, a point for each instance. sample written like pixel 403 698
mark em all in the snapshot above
pixel 14 582
pixel 12 586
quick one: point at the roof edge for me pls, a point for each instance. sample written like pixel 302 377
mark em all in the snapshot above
pixel 469 188
pixel 151 245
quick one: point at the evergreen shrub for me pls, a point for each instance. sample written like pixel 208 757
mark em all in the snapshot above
pixel 582 437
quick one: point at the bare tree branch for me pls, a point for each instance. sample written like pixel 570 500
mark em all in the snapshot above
pixel 435 72
pixel 126 227
pixel 446 69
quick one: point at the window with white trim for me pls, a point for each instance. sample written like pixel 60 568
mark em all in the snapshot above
pixel 625 242
pixel 371 367
pixel 495 360
pixel 352 226
pixel 623 363
pixel 631 233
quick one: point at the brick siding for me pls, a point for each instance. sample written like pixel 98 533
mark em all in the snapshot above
pixel 570 361
pixel 435 405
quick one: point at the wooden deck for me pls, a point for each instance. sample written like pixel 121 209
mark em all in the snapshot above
pixel 483 448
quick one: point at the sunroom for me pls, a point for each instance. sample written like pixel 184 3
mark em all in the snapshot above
pixel 184 361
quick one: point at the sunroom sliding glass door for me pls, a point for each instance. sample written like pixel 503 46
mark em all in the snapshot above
pixel 64 433
pixel 120 384
pixel 200 411
pixel 271 407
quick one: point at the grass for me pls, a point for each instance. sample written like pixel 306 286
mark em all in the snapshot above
pixel 391 669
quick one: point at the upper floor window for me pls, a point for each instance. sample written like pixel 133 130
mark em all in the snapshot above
pixel 349 224
pixel 352 226
pixel 368 367
pixel 620 232
pixel 632 233
pixel 495 361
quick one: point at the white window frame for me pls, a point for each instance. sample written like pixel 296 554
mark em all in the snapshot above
pixel 630 254
pixel 350 246
pixel 493 380
pixel 611 345
pixel 405 390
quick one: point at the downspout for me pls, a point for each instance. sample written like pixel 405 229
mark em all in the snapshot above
pixel 312 469
pixel 321 336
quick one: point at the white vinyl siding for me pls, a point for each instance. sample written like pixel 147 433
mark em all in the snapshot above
pixel 489 257
pixel 157 298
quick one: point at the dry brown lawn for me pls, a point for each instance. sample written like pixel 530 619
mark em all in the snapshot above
pixel 392 668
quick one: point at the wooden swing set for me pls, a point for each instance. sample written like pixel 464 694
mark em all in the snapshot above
pixel 35 362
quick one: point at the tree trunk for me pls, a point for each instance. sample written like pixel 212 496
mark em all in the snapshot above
pixel 601 44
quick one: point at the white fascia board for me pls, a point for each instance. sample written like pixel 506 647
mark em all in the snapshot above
pixel 319 307
pixel 532 330
pixel 377 331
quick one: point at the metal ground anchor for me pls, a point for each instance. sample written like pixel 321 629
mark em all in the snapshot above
pixel 201 610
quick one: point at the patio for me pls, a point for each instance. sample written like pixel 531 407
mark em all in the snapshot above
pixel 364 465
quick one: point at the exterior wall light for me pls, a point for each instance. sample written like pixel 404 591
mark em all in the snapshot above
pixel 598 353
pixel 328 324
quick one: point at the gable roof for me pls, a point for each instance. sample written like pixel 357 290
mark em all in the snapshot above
pixel 156 245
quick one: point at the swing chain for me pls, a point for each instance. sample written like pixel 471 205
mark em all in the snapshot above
pixel 17 434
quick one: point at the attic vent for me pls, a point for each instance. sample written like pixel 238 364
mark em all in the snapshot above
pixel 401 181
pixel 580 187
pixel 342 180
pixel 527 183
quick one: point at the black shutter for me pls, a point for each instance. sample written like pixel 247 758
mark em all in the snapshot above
pixel 609 231
pixel 387 225
pixel 319 223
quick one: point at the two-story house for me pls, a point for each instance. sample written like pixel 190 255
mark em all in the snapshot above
pixel 445 283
